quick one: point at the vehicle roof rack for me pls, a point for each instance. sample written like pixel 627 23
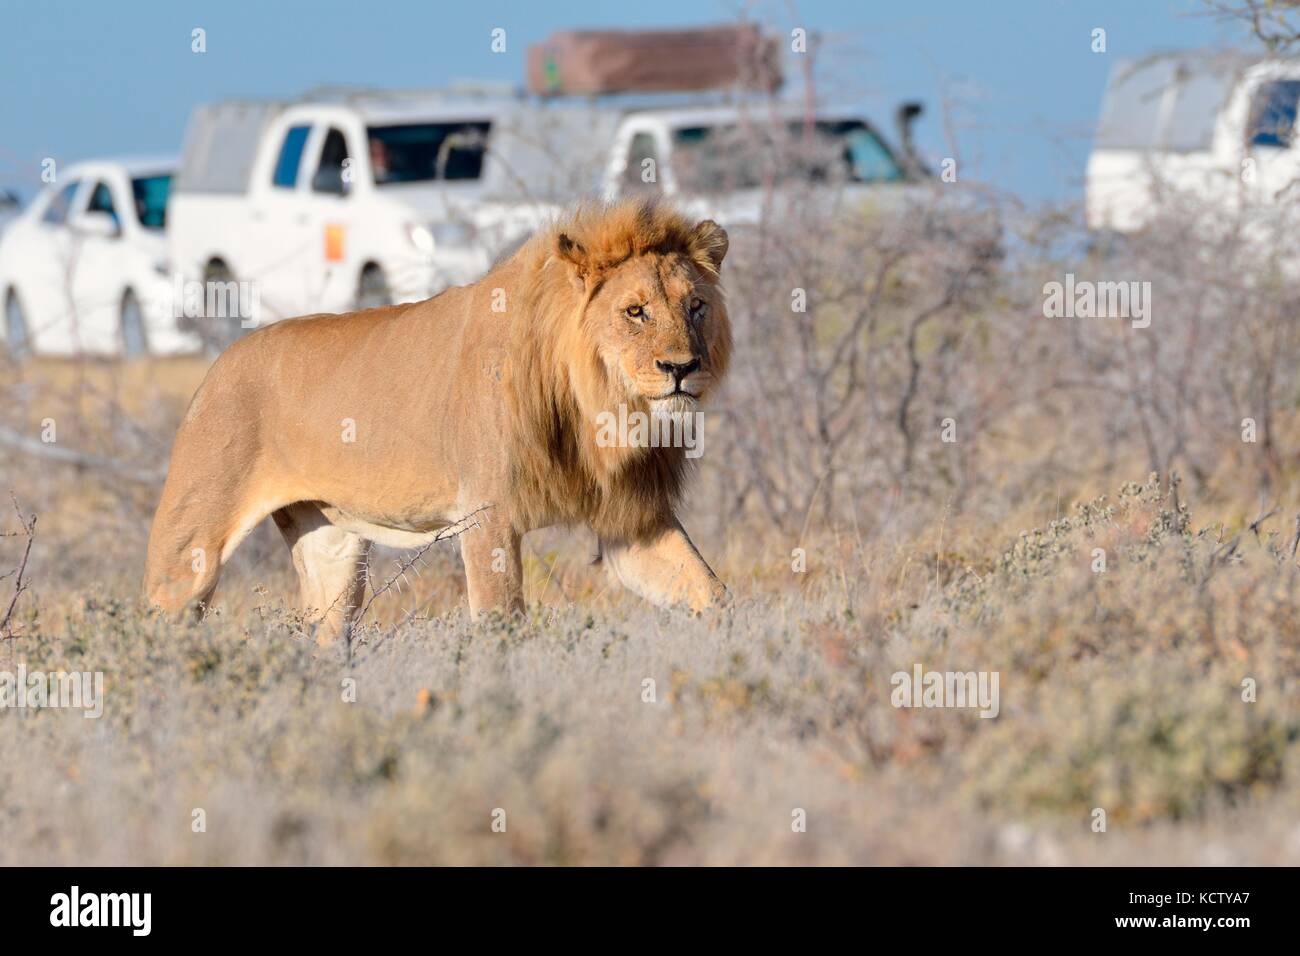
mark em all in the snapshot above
pixel 459 90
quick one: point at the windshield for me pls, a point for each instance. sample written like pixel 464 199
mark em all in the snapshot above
pixel 418 152
pixel 711 158
pixel 150 193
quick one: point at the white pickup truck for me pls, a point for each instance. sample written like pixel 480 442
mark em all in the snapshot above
pixel 323 206
pixel 720 161
pixel 1216 128
pixel 332 204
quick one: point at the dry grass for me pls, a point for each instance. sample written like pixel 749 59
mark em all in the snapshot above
pixel 1120 691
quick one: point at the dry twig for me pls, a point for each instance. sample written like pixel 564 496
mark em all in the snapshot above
pixel 28 524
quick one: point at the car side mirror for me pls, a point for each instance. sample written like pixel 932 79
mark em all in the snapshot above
pixel 329 179
pixel 95 222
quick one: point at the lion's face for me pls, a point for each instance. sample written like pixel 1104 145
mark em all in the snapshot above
pixel 655 325
pixel 659 326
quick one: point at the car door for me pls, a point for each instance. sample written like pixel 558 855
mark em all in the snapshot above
pixel 99 267
pixel 637 163
pixel 330 270
pixel 281 234
pixel 43 273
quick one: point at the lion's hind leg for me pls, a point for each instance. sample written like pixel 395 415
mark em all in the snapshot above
pixel 211 500
pixel 331 566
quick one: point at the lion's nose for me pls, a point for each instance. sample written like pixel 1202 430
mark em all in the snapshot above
pixel 678 370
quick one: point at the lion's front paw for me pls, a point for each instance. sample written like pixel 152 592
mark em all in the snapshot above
pixel 715 597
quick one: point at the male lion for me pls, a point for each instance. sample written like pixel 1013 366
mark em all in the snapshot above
pixel 392 424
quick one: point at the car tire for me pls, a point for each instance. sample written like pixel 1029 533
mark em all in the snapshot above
pixel 372 289
pixel 18 339
pixel 135 344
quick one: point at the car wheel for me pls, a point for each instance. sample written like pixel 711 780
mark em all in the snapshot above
pixel 18 340
pixel 218 332
pixel 134 343
pixel 372 290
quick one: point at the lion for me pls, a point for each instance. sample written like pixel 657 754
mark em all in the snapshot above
pixel 475 412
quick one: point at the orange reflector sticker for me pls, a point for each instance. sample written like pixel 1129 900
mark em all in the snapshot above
pixel 334 242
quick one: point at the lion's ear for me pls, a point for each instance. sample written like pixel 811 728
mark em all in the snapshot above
pixel 572 253
pixel 709 243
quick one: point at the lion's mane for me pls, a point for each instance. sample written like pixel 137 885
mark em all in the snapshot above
pixel 557 383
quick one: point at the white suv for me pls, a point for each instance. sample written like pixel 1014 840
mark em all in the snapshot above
pixel 82 269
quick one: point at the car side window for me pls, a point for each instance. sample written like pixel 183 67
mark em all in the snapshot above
pixel 641 174
pixel 290 158
pixel 150 196
pixel 329 173
pixel 1273 113
pixel 868 159
pixel 101 200
pixel 56 213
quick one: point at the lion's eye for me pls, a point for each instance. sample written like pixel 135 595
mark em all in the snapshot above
pixel 697 305
pixel 635 311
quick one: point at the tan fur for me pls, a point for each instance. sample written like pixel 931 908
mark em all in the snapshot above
pixel 457 406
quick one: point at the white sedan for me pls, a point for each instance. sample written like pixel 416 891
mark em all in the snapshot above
pixel 83 269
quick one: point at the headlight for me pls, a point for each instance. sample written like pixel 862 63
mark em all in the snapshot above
pixel 421 237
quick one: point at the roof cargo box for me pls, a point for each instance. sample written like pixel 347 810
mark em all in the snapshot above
pixel 593 62
pixel 220 145
pixel 1167 102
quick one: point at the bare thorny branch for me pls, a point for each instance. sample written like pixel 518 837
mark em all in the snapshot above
pixel 412 559
pixel 1273 22
pixel 21 584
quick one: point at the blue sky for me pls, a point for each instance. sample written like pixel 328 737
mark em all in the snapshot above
pixel 84 78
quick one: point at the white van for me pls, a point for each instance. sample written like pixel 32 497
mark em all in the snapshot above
pixel 1217 128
